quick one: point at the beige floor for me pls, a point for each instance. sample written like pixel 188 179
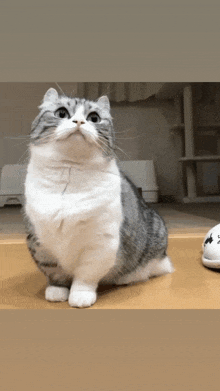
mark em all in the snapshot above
pixel 190 286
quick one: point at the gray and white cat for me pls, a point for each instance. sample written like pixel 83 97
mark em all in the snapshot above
pixel 86 222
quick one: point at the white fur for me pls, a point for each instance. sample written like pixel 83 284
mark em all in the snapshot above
pixel 154 268
pixel 82 295
pixel 73 200
pixel 56 293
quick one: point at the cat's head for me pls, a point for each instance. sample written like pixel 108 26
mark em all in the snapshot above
pixel 62 118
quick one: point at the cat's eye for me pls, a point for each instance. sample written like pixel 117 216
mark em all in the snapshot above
pixel 62 113
pixel 93 117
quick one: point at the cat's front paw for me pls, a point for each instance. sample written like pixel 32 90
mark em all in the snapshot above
pixel 56 293
pixel 81 299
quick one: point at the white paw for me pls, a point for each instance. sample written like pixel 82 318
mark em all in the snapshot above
pixel 56 293
pixel 82 298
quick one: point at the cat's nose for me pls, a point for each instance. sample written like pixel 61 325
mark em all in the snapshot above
pixel 78 122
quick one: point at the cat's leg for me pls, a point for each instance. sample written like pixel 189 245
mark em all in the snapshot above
pixel 83 293
pixel 93 266
pixel 56 293
pixel 152 268
pixel 58 281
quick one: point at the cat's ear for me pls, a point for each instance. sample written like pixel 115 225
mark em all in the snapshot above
pixel 51 95
pixel 104 103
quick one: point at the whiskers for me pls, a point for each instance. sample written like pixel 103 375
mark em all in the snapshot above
pixel 24 159
pixel 102 140
pixel 66 95
pixel 43 138
pixel 129 138
pixel 127 134
pixel 25 138
pixel 60 88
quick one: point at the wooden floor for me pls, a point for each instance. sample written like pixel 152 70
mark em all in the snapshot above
pixel 191 286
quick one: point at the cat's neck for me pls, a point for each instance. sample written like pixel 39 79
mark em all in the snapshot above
pixel 46 160
pixel 53 173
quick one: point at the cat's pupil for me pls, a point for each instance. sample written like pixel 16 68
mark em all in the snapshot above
pixel 94 117
pixel 62 114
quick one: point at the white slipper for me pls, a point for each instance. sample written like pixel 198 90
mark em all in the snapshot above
pixel 211 248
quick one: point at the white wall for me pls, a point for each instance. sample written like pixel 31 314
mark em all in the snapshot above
pixel 18 108
pixel 143 130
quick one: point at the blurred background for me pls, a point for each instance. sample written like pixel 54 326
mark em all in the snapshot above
pixel 174 124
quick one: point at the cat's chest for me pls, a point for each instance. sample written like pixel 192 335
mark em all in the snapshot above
pixel 68 213
pixel 59 213
pixel 65 195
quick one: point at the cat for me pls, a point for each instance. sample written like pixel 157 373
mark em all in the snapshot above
pixel 86 222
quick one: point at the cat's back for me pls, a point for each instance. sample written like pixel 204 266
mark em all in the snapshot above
pixel 142 225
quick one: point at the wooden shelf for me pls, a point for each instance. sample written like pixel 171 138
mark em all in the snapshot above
pixel 216 126
pixel 207 198
pixel 211 158
pixel 208 127
pixel 183 96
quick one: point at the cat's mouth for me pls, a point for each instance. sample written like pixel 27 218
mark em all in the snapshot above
pixel 73 133
pixel 76 134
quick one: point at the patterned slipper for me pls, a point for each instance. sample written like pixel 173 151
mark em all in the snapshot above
pixel 211 248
